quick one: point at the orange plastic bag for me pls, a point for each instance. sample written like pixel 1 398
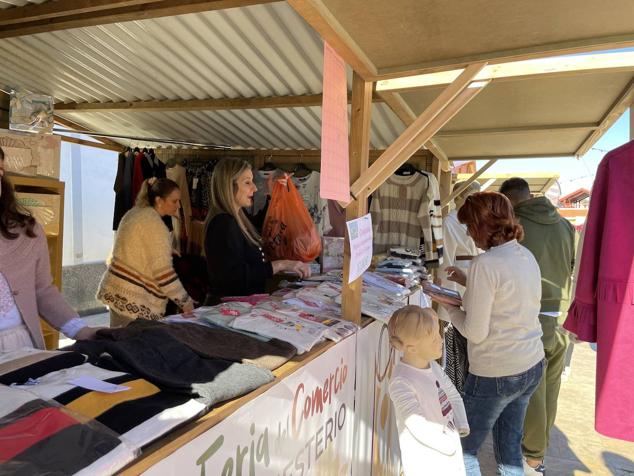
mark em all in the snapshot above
pixel 289 231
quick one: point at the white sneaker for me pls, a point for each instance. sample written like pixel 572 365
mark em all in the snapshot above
pixel 539 470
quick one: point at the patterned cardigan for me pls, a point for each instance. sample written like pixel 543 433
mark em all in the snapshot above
pixel 140 278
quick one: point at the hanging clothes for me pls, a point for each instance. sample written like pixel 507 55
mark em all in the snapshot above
pixel 337 215
pixel 137 174
pixel 308 188
pixel 432 229
pixel 263 180
pixel 123 187
pixel 399 211
pixel 182 227
pixel 603 306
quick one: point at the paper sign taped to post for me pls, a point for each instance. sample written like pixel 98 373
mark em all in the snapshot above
pixel 334 181
pixel 360 236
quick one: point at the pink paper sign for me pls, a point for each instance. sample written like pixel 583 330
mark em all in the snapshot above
pixel 335 171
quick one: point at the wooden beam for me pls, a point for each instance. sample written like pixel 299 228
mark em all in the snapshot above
pixel 548 184
pixel 304 100
pixel 55 18
pixel 469 181
pixel 444 184
pixel 515 156
pixel 321 19
pixel 504 56
pixel 88 143
pixel 79 128
pixel 416 134
pixel 589 126
pixel 402 110
pixel 359 161
pixel 618 107
pixel 49 10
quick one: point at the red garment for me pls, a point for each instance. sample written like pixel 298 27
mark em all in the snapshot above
pixel 603 306
pixel 137 175
pixel 25 432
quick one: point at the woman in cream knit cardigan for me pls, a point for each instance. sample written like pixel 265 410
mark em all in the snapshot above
pixel 140 278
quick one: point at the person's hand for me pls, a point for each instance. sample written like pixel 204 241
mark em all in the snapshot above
pixel 87 333
pixel 456 275
pixel 300 268
pixel 188 309
pixel 463 432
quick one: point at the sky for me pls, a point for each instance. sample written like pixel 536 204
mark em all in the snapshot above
pixel 573 173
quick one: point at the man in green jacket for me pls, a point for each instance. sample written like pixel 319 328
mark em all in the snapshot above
pixel 551 239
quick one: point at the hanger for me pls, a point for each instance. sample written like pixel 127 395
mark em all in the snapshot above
pixel 406 170
pixel 268 164
pixel 301 170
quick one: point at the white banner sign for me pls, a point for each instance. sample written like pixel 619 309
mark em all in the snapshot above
pixel 360 236
pixel 301 426
pixel 376 446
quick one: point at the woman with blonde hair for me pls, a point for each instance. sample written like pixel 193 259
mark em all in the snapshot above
pixel 235 260
pixel 140 278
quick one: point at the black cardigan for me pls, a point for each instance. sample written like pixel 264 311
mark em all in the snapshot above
pixel 235 266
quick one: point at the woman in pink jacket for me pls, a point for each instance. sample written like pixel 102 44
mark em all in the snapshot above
pixel 26 288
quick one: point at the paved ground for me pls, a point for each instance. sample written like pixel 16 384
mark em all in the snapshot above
pixel 576 448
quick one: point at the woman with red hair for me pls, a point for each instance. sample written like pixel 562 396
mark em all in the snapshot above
pixel 501 304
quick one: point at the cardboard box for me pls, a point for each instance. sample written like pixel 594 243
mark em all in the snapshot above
pixel 331 253
pixel 31 154
pixel 45 208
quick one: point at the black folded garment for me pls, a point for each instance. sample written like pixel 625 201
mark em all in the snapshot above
pixel 157 356
pixel 213 342
pixel 35 366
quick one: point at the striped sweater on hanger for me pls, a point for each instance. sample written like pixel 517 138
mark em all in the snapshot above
pixel 404 209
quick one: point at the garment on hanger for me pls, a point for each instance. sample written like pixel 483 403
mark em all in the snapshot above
pixel 308 187
pixel 123 187
pixel 137 174
pixel 432 226
pixel 182 226
pixel 337 216
pixel 400 211
pixel 603 306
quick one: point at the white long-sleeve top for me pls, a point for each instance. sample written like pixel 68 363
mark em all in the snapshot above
pixel 501 304
pixel 430 416
pixel 456 243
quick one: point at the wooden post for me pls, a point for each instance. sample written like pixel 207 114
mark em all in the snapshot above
pixel 445 188
pixel 359 161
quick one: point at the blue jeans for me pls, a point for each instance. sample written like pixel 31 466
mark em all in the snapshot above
pixel 498 404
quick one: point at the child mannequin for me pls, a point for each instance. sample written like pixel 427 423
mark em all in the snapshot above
pixel 430 415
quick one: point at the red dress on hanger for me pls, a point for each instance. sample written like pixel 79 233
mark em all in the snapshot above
pixel 603 306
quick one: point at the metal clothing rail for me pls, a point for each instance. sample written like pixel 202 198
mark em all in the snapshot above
pixel 145 139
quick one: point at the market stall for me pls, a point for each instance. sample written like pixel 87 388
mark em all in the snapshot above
pixel 250 77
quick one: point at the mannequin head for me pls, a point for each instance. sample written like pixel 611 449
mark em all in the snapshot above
pixel 415 332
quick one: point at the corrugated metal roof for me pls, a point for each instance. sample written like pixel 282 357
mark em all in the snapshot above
pixel 257 51
pixel 288 128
